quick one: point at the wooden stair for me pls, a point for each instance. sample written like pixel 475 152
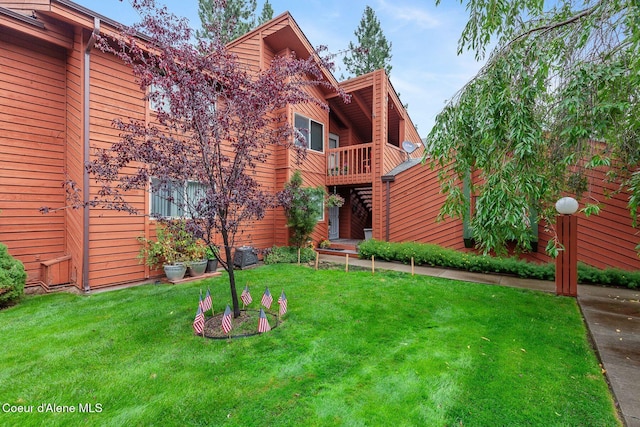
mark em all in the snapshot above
pixel 340 247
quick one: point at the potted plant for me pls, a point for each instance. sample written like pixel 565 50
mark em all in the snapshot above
pixel 212 253
pixel 334 200
pixel 165 251
pixel 197 262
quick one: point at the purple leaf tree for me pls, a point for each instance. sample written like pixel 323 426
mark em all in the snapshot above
pixel 217 121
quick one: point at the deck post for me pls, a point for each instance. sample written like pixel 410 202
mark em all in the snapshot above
pixel 567 259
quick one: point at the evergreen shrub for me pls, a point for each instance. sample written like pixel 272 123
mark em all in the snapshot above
pixel 12 277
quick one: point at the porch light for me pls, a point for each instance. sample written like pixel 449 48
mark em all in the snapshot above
pixel 567 206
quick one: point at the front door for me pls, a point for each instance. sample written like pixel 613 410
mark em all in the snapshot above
pixel 334 223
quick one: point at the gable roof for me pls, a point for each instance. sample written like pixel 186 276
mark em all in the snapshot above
pixel 281 33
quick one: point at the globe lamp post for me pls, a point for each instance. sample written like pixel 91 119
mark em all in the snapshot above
pixel 567 259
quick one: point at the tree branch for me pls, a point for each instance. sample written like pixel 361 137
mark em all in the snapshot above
pixel 550 27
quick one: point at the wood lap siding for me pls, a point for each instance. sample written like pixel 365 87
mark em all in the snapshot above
pixel 380 132
pixel 415 205
pixel 607 239
pixel 74 155
pixel 113 246
pixel 32 134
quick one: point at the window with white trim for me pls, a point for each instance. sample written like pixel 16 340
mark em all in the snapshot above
pixel 171 201
pixel 162 101
pixel 318 200
pixel 311 131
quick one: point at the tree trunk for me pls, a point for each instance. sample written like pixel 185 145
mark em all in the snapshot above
pixel 232 279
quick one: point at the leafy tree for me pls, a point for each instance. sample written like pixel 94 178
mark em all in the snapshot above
pixel 558 97
pixel 302 207
pixel 372 51
pixel 230 19
pixel 217 124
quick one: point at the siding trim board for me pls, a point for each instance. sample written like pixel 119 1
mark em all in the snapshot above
pixel 86 114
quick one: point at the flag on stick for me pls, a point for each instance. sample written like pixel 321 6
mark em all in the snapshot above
pixel 198 322
pixel 246 296
pixel 226 320
pixel 263 323
pixel 207 304
pixel 283 303
pixel 267 299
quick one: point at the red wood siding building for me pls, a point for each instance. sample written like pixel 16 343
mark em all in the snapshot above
pixel 58 97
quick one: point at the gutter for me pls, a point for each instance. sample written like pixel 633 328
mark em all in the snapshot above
pixel 86 157
pixel 22 18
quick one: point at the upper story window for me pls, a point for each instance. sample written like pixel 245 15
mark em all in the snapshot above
pixel 172 201
pixel 160 101
pixel 312 132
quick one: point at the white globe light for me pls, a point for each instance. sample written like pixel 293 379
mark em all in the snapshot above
pixel 567 205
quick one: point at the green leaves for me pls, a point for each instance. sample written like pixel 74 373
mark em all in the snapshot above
pixel 303 208
pixel 372 51
pixel 559 96
pixel 230 19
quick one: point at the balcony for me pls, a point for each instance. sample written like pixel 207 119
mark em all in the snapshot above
pixel 349 165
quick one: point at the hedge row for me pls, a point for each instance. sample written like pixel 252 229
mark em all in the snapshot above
pixel 437 256
pixel 288 254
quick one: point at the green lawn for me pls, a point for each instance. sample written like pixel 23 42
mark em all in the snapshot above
pixel 354 349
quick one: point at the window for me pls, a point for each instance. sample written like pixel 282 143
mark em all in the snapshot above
pixel 311 131
pixel 317 199
pixel 160 100
pixel 171 202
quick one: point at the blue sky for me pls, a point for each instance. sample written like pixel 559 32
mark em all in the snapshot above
pixel 426 69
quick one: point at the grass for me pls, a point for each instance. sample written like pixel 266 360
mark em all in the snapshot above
pixel 354 350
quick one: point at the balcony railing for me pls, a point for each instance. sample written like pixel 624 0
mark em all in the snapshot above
pixel 349 165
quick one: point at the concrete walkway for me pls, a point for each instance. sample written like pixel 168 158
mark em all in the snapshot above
pixel 612 316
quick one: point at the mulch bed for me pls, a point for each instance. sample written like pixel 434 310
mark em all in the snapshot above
pixel 243 326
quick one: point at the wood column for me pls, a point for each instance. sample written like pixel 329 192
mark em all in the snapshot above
pixel 567 259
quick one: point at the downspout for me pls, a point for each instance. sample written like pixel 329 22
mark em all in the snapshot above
pixel 388 179
pixel 86 157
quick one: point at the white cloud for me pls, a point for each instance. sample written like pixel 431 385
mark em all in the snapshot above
pixel 410 14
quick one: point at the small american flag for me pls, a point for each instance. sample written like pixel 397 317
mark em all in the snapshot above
pixel 283 303
pixel 246 296
pixel 226 320
pixel 207 304
pixel 263 323
pixel 267 299
pixel 198 322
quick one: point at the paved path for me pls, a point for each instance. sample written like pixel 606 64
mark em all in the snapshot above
pixel 612 316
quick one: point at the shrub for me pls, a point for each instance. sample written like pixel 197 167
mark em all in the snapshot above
pixel 436 256
pixel 288 254
pixel 12 277
pixel 302 208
